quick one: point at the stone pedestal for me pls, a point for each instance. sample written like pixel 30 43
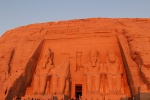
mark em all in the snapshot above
pixel 103 97
pixel 60 97
pixel 115 97
pixel 37 97
pixel 92 97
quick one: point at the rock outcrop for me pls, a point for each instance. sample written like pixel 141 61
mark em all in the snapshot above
pixel 20 50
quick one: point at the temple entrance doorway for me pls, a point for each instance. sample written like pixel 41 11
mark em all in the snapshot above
pixel 78 91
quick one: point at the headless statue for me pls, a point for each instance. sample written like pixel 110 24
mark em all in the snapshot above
pixel 113 73
pixel 59 77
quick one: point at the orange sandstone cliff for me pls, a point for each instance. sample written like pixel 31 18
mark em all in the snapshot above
pixel 20 50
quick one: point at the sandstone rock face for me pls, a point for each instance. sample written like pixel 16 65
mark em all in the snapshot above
pixel 97 58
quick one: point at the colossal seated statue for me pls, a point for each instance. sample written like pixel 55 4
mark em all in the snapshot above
pixel 92 72
pixel 42 73
pixel 113 73
pixel 59 76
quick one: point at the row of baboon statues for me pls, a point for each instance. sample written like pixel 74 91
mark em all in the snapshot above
pixel 47 73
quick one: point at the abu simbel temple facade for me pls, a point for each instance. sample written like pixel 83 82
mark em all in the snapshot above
pixel 84 59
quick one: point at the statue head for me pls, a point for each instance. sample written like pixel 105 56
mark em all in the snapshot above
pixel 93 57
pixel 112 56
pixel 46 55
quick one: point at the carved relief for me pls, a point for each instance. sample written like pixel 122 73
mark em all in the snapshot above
pixel 113 73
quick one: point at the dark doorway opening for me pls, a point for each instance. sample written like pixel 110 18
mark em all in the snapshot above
pixel 78 91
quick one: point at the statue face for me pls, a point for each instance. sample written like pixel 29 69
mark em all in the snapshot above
pixel 93 56
pixel 112 58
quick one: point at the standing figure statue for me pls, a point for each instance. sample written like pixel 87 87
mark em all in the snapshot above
pixel 59 76
pixel 44 66
pixel 92 72
pixel 113 73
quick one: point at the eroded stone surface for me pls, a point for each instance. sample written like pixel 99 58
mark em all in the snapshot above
pixel 29 70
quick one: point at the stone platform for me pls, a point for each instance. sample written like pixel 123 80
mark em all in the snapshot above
pixel 92 97
pixel 37 97
pixel 45 97
pixel 103 97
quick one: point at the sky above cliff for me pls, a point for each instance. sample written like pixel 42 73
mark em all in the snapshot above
pixel 15 13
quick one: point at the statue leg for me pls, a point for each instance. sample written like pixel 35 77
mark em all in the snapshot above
pixel 62 81
pixel 118 84
pixel 89 83
pixel 47 87
pixel 97 83
pixel 54 84
pixel 42 84
pixel 36 84
pixel 102 83
pixel 110 83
